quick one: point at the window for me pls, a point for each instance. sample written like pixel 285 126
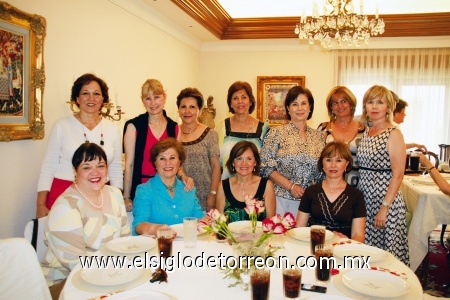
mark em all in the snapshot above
pixel 421 77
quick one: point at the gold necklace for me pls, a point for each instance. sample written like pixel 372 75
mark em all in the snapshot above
pixel 196 125
pixel 94 205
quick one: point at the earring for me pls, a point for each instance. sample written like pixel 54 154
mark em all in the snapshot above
pixel 75 179
pixel 254 169
pixel 233 168
pixel 107 178
pixel 387 115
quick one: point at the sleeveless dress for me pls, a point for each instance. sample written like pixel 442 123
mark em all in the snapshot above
pixel 375 175
pixel 234 208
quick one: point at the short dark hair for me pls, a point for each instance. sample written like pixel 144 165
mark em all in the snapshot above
pixel 237 86
pixel 334 148
pixel 164 145
pixel 86 79
pixel 293 93
pixel 237 150
pixel 88 152
pixel 401 104
pixel 191 92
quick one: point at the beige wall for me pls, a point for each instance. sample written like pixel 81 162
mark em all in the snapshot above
pixel 125 44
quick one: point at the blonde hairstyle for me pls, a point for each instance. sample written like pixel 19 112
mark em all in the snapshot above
pixel 152 85
pixel 378 91
pixel 348 95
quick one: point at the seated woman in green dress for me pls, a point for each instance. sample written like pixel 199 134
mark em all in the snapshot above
pixel 244 165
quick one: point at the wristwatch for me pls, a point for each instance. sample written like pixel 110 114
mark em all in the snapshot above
pixel 385 203
pixel 213 192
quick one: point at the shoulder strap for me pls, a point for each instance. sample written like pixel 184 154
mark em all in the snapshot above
pixel 35 233
pixel 261 189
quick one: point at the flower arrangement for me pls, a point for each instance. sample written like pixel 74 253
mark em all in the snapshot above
pixel 215 222
pixel 249 244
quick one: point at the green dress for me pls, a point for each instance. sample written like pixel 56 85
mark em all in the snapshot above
pixel 234 208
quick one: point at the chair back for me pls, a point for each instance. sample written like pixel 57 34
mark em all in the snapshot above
pixel 21 275
pixel 34 233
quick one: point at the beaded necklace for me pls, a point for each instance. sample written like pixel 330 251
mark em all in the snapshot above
pixel 94 205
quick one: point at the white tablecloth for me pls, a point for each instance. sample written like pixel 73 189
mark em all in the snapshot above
pixel 429 207
pixel 210 283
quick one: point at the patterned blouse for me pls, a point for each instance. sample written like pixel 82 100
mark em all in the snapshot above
pixel 74 229
pixel 352 177
pixel 284 151
pixel 197 164
pixel 228 138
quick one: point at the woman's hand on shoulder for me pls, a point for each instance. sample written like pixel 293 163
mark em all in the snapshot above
pixel 188 183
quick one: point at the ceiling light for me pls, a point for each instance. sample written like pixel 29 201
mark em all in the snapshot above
pixel 341 22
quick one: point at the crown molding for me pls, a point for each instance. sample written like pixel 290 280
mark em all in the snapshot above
pixel 211 15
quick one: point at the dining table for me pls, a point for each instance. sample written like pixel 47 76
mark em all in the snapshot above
pixel 205 281
pixel 429 207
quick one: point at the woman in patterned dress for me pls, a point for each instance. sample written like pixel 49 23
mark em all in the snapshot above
pixel 334 203
pixel 290 152
pixel 201 145
pixel 381 156
pixel 84 218
pixel 342 127
pixel 241 126
pixel 244 163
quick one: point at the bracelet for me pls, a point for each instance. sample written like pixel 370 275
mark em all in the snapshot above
pixel 126 198
pixel 292 186
pixel 429 170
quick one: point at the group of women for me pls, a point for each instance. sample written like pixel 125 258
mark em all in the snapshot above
pixel 344 174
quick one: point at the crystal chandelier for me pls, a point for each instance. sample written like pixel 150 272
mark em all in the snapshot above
pixel 339 21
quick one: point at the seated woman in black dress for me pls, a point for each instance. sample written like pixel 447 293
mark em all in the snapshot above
pixel 333 203
pixel 244 165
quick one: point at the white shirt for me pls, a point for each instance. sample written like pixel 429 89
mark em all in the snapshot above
pixel 66 136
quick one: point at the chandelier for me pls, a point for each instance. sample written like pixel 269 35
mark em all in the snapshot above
pixel 339 21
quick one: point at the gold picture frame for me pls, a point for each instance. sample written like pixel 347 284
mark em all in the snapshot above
pixel 271 93
pixel 22 76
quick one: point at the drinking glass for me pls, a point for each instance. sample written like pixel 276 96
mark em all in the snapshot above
pixel 317 235
pixel 190 232
pixel 292 279
pixel 324 264
pixel 165 238
pixel 260 283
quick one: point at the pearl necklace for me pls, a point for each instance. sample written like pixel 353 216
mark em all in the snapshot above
pixel 96 206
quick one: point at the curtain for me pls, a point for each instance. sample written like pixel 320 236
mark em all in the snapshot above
pixel 421 77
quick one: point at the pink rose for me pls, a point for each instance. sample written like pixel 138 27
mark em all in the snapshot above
pixel 288 220
pixel 268 225
pixel 259 206
pixel 279 228
pixel 201 225
pixel 214 214
pixel 277 218
pixel 250 209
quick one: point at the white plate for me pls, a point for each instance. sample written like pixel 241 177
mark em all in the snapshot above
pixel 243 226
pixel 374 253
pixel 180 231
pixel 375 283
pixel 131 244
pixel 303 234
pixel 139 295
pixel 109 277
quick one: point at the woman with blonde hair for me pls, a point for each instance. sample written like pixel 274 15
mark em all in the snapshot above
pixel 381 156
pixel 141 133
pixel 342 127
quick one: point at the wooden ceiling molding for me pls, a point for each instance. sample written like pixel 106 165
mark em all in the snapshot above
pixel 211 15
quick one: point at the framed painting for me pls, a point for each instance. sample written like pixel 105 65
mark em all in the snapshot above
pixel 22 76
pixel 271 93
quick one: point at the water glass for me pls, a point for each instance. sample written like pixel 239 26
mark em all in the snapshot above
pixel 292 279
pixel 190 232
